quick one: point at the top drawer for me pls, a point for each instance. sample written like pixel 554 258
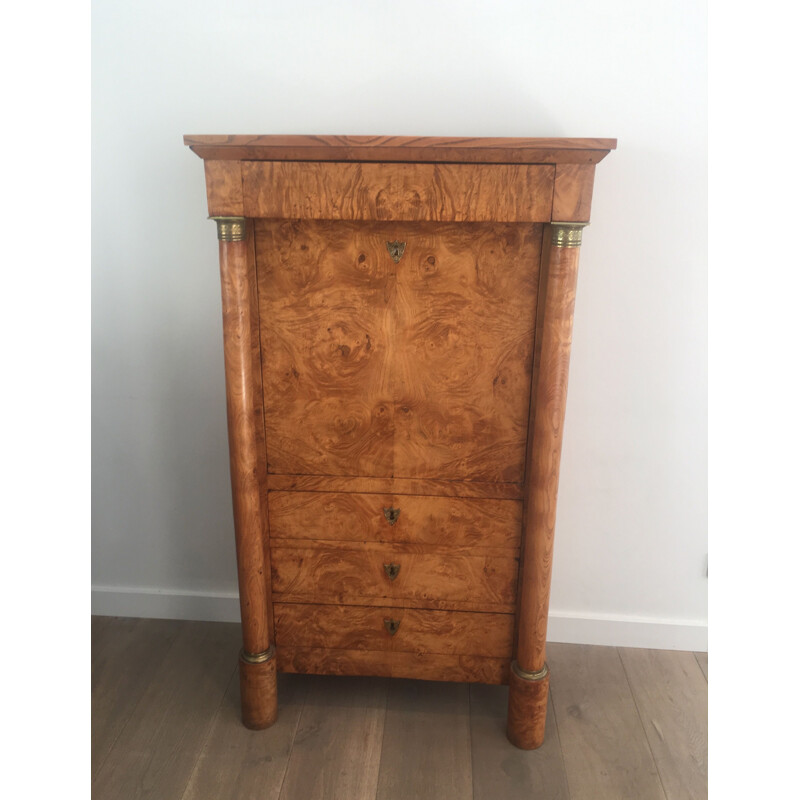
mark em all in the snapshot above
pixel 343 517
pixel 400 192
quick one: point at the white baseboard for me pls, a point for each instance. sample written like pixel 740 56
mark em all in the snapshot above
pixel 574 628
pixel 112 601
pixel 616 631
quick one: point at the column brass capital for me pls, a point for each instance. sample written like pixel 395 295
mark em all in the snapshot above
pixel 258 658
pixel 529 676
pixel 567 234
pixel 231 229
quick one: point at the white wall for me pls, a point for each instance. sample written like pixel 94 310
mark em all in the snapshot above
pixel 631 538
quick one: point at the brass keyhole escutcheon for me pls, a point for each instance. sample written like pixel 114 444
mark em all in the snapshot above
pixel 391 570
pixel 396 250
pixel 392 626
pixel 391 515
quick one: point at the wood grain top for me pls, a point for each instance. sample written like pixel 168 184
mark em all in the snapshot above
pixel 493 150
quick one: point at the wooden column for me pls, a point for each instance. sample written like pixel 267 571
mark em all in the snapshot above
pixel 257 672
pixel 530 677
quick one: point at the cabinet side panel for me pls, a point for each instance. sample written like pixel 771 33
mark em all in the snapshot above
pixel 572 198
pixel 224 188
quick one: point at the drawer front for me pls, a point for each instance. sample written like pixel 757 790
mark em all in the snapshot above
pixel 393 629
pixel 393 575
pixel 451 521
pixel 410 192
pixel 393 664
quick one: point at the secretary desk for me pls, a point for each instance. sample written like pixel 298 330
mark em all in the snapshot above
pixel 397 320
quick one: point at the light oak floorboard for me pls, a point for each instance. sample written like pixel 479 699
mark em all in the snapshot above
pixel 154 755
pixel 500 770
pixel 426 742
pixel 239 764
pixel 605 749
pixel 337 747
pixel 671 694
pixel 166 725
pixel 702 660
pixel 100 630
pixel 126 654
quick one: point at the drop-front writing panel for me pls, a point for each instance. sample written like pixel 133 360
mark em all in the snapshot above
pixel 419 368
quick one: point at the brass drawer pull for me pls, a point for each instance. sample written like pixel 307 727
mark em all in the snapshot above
pixel 391 515
pixel 391 570
pixel 392 625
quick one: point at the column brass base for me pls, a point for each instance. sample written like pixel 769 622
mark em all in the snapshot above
pixel 258 680
pixel 527 706
pixel 231 229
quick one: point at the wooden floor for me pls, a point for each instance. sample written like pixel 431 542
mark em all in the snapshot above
pixel 622 723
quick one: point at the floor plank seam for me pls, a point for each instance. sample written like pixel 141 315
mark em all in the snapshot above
pixel 291 745
pixel 108 752
pixel 642 723
pixel 560 746
pixel 469 729
pixel 204 744
pixel 111 746
pixel 700 667
pixel 136 705
pixel 383 736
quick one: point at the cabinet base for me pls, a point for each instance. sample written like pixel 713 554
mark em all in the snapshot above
pixel 259 690
pixel 527 707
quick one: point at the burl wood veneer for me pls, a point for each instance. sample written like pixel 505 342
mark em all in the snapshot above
pixel 397 319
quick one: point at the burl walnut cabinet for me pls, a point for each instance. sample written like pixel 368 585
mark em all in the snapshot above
pixel 397 318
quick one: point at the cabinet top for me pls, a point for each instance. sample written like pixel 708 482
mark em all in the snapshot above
pixel 401 148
